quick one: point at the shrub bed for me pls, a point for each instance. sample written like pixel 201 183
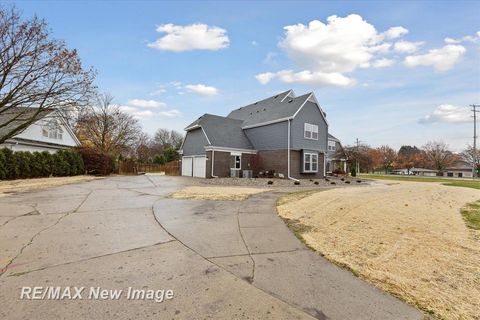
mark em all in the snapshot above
pixel 24 165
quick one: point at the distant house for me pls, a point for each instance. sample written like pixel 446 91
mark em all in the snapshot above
pixel 283 135
pixel 461 169
pixel 423 172
pixel 50 133
pixel 336 160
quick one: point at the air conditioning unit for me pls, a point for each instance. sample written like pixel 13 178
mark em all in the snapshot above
pixel 247 174
pixel 234 173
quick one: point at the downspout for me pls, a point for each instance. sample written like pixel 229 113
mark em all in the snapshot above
pixel 213 160
pixel 325 164
pixel 288 154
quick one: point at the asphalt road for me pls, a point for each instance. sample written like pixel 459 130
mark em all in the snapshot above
pixel 220 259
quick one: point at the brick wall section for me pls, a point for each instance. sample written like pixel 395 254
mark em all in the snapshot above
pixel 273 160
pixel 264 160
pixel 296 166
pixel 277 160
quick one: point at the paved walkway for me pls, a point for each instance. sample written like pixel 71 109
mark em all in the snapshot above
pixel 222 259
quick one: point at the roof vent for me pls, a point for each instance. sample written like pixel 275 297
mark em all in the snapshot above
pixel 275 97
pixel 255 103
pixel 290 101
pixel 264 109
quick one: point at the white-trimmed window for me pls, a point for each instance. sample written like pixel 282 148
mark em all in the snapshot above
pixel 311 131
pixel 310 162
pixel 52 130
pixel 331 145
pixel 235 162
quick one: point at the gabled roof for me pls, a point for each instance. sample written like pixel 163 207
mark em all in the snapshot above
pixel 21 115
pixel 279 107
pixel 222 131
pixel 331 137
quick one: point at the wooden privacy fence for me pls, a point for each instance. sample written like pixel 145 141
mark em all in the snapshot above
pixel 171 168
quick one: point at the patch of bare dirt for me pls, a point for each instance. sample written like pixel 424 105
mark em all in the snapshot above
pixel 407 238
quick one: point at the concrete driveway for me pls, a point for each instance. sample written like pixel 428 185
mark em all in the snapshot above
pixel 221 259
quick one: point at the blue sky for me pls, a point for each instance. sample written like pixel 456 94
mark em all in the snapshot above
pixel 399 72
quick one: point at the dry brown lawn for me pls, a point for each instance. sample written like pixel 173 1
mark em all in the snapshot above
pixel 407 238
pixel 23 185
pixel 216 193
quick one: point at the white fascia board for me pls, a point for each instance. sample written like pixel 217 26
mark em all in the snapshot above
pixel 289 94
pixel 19 141
pixel 267 123
pixel 311 96
pixel 192 127
pixel 226 149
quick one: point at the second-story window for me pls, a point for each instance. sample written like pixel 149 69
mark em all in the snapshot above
pixel 331 145
pixel 52 130
pixel 311 131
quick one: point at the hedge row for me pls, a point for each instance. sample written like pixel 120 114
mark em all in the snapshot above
pixel 22 165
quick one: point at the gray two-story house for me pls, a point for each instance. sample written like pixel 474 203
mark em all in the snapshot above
pixel 283 135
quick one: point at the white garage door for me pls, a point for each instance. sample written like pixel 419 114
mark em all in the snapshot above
pixel 187 166
pixel 199 166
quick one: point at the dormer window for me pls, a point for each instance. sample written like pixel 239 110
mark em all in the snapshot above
pixel 311 131
pixel 52 130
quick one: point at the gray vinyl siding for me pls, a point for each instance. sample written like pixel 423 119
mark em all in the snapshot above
pixel 270 137
pixel 194 143
pixel 309 114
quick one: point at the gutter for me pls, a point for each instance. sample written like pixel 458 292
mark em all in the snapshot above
pixel 288 154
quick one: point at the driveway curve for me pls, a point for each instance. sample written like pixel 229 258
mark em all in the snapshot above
pixel 249 240
pixel 222 259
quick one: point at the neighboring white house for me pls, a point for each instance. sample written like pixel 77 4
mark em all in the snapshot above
pixel 51 133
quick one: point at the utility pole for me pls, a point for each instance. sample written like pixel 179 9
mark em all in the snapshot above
pixel 357 164
pixel 474 110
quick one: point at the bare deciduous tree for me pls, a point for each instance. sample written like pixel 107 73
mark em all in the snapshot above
pixel 438 155
pixel 167 138
pixel 107 129
pixel 36 71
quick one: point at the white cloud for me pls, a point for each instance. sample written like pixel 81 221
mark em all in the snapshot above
pixel 201 89
pixel 326 52
pixel 265 78
pixel 441 59
pixel 382 63
pixel 407 46
pixel 395 32
pixel 174 113
pixel 190 37
pixel 473 39
pixel 340 45
pixel 448 113
pixel 307 77
pixel 254 43
pixel 139 103
pixel 137 114
pixel 270 59
pixel 451 41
